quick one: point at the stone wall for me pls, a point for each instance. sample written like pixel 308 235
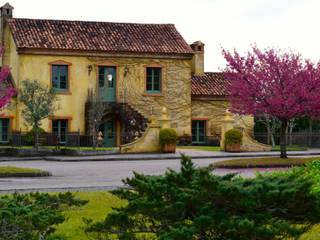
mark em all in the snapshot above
pixel 213 110
pixel 130 85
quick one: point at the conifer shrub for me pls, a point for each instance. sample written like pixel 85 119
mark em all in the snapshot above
pixel 195 204
pixel 33 216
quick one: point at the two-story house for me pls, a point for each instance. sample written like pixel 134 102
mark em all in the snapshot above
pixel 136 69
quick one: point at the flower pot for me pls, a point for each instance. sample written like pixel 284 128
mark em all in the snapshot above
pixel 169 148
pixel 233 147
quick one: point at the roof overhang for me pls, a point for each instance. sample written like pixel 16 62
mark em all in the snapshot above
pixel 63 52
pixel 209 98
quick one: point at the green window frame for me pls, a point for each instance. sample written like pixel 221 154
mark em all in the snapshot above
pixel 4 130
pixel 153 81
pixel 198 129
pixel 60 129
pixel 60 78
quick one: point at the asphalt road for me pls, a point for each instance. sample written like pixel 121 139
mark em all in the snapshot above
pixel 93 175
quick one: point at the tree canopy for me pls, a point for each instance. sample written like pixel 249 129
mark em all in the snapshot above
pixel 280 84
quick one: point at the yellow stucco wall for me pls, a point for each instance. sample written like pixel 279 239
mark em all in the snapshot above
pixel 213 110
pixel 176 85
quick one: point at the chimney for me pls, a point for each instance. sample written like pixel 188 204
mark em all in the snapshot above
pixel 6 12
pixel 198 58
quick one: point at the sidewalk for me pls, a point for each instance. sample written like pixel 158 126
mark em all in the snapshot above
pixel 192 153
pixel 195 154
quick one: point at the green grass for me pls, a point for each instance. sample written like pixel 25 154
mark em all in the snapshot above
pixel 262 162
pixel 61 147
pixel 313 234
pixel 217 148
pixel 291 148
pixel 200 148
pixel 8 171
pixel 99 205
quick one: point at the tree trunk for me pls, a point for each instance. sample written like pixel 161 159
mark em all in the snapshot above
pixel 268 134
pixel 290 130
pixel 273 143
pixel 94 138
pixel 283 138
pixel 310 133
pixel 36 140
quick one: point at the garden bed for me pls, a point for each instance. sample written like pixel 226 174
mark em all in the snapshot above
pixel 9 171
pixel 269 162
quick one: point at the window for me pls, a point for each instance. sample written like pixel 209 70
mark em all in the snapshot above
pixel 60 77
pixel 4 130
pixel 60 128
pixel 153 83
pixel 198 131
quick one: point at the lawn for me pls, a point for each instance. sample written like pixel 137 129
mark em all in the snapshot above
pixel 200 148
pixel 262 162
pixel 217 148
pixel 100 203
pixel 63 147
pixel 8 171
pixel 291 148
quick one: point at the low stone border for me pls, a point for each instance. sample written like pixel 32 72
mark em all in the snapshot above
pixel 212 167
pixel 22 152
pixel 26 174
pixel 75 152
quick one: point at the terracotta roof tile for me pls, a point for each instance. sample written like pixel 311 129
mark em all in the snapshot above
pixel 209 84
pixel 98 36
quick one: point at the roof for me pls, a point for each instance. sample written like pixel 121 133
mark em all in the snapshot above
pixel 209 84
pixel 7 5
pixel 98 36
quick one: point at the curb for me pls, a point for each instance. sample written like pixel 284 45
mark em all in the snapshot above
pixel 148 158
pixel 63 189
pixel 141 157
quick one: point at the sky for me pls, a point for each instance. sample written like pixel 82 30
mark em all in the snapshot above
pixel 286 24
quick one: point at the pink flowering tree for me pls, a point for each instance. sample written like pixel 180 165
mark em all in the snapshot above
pixel 7 91
pixel 272 82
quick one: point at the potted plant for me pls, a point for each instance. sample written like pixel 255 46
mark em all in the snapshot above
pixel 168 139
pixel 233 140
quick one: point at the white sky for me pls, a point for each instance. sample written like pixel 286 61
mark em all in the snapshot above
pixel 288 24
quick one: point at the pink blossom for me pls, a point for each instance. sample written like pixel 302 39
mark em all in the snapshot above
pixel 283 85
pixel 7 91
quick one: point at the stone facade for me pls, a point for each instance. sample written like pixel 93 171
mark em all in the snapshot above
pixel 130 87
pixel 212 110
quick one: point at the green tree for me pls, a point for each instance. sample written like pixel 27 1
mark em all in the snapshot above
pixel 33 216
pixel 39 103
pixel 194 204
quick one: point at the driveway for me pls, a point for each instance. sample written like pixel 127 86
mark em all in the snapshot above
pixel 94 175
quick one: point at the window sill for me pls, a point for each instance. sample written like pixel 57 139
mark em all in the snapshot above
pixel 146 94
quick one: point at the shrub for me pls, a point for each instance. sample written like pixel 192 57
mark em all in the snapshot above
pixel 33 216
pixel 168 136
pixel 233 136
pixel 29 137
pixel 194 204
